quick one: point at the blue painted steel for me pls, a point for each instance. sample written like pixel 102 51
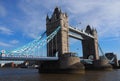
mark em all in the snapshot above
pixel 28 51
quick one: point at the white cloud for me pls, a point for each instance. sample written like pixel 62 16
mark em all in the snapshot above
pixel 8 44
pixel 101 14
pixel 34 22
pixel 14 42
pixel 3 44
pixel 104 15
pixel 5 30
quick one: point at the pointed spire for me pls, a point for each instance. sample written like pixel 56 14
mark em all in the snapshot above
pixel 57 10
pixel 88 29
pixel 47 17
pixel 94 29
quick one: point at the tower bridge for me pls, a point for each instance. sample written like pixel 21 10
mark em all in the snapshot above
pixel 58 57
pixel 61 40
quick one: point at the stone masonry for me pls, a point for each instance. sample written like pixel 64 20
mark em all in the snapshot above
pixel 60 42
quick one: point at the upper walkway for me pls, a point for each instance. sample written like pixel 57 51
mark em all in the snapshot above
pixel 78 34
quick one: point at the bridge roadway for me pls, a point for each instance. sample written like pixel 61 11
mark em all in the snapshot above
pixel 29 58
pixel 12 58
pixel 78 34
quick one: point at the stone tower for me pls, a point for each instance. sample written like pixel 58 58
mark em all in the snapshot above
pixel 59 44
pixel 90 45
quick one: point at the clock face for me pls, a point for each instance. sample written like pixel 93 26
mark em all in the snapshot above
pixel 91 57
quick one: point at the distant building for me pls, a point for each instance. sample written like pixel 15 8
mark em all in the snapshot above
pixel 11 64
pixel 113 59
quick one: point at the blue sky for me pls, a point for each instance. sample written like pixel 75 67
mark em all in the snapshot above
pixel 21 21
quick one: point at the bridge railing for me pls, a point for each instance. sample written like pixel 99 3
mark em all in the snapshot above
pixel 22 58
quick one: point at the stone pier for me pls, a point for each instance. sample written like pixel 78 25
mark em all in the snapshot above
pixel 102 64
pixel 68 63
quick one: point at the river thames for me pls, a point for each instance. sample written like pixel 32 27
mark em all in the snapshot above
pixel 19 74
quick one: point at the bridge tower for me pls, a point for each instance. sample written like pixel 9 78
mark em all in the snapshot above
pixel 90 45
pixel 59 44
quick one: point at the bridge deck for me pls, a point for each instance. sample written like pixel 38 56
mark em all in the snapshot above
pixel 31 59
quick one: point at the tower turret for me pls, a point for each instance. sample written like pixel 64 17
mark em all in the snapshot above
pixel 59 44
pixel 47 18
pixel 90 45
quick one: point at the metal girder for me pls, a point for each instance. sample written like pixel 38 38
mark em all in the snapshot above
pixel 76 36
pixel 29 58
pixel 32 46
pixel 80 32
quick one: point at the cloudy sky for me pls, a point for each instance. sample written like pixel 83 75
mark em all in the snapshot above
pixel 21 21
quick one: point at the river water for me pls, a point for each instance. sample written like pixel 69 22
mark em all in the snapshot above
pixel 19 74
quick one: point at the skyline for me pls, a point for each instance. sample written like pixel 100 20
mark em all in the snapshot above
pixel 22 21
